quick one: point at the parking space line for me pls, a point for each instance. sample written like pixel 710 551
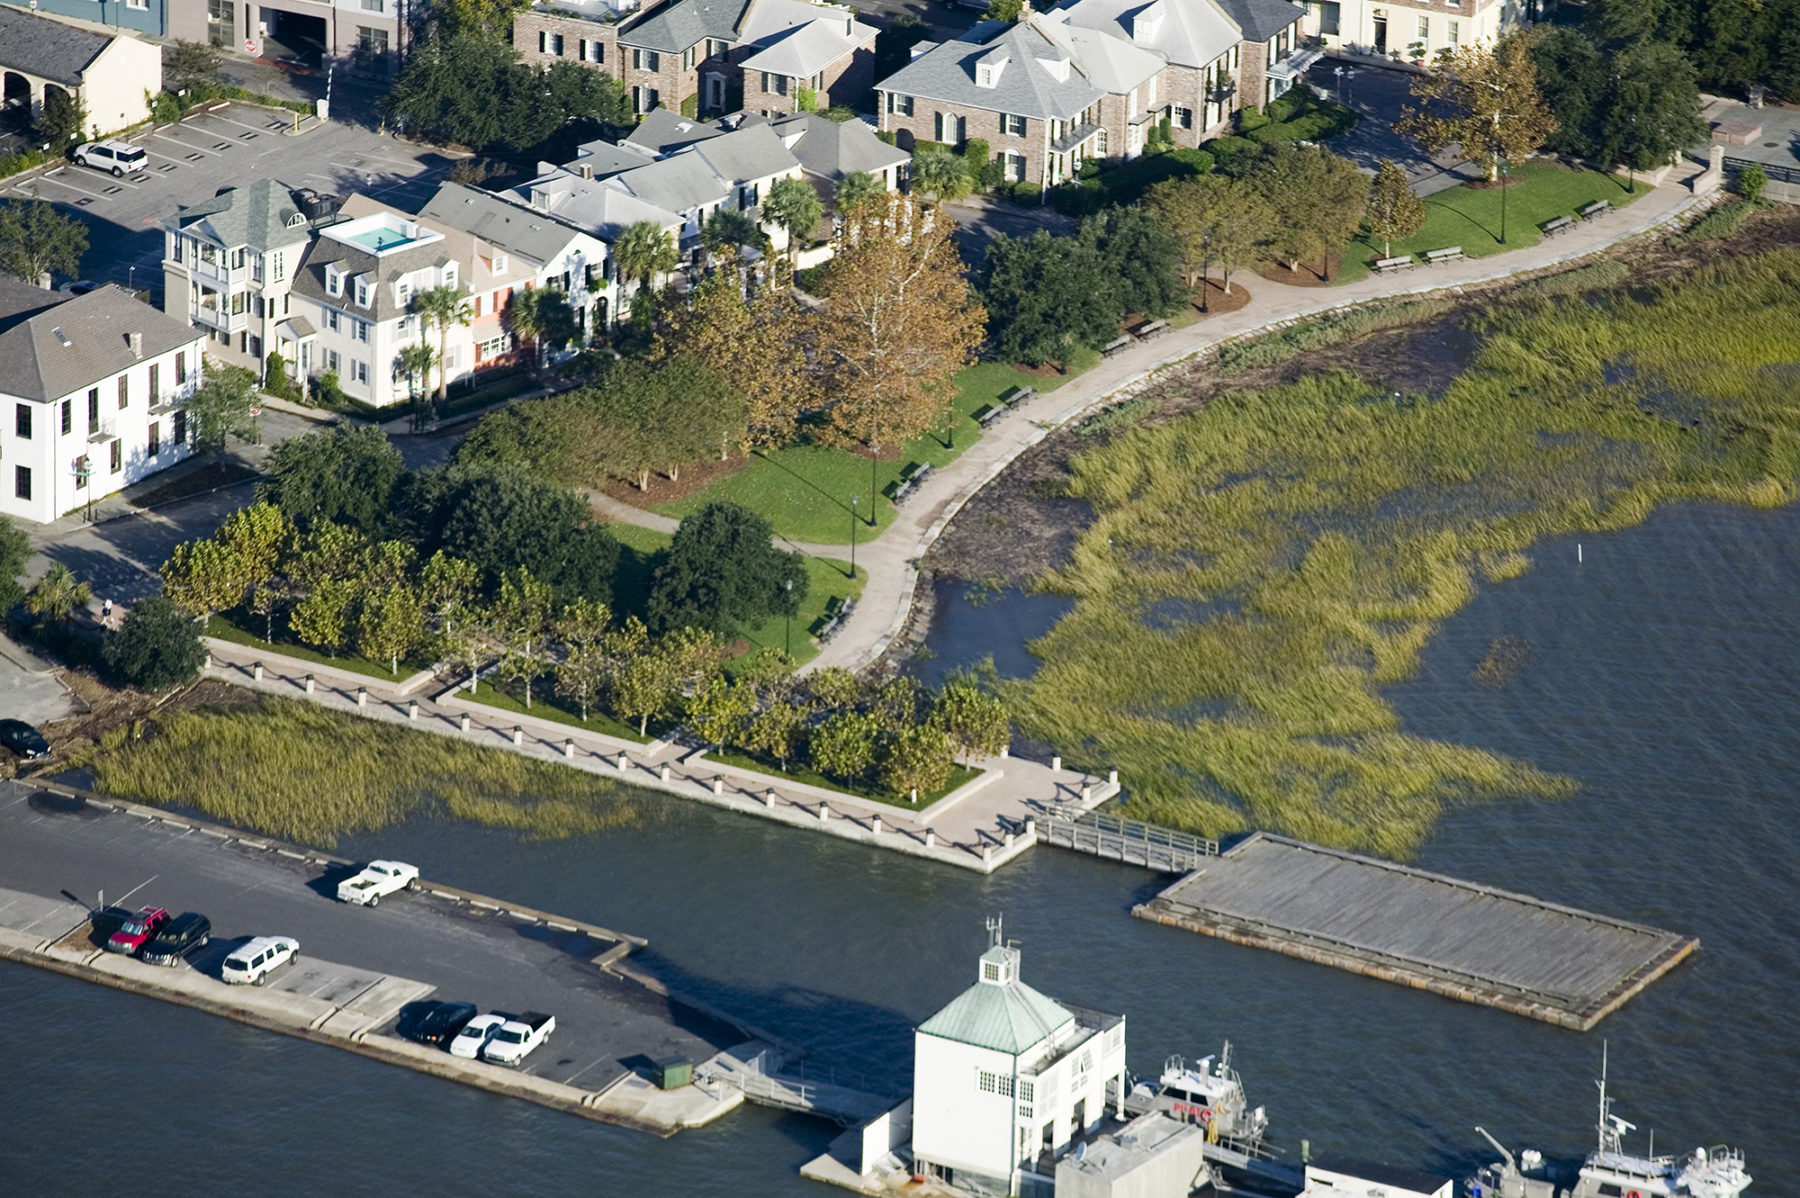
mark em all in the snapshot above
pixel 186 145
pixel 53 177
pixel 258 128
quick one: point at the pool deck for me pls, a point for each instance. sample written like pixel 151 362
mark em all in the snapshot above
pixel 1454 938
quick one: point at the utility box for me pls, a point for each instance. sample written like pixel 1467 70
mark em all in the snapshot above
pixel 671 1073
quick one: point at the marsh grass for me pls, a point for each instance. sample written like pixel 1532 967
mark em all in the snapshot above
pixel 1325 532
pixel 1502 662
pixel 1279 346
pixel 293 770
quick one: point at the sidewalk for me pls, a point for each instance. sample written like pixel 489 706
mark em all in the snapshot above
pixel 980 826
pixel 892 558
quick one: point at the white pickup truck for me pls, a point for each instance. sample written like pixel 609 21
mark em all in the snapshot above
pixel 514 1040
pixel 378 878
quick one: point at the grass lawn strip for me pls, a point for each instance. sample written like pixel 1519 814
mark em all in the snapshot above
pixel 240 629
pixel 959 775
pixel 1258 571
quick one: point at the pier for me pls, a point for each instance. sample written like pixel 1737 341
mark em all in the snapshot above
pixel 1131 841
pixel 1459 939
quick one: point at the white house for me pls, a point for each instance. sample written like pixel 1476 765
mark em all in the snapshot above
pixel 92 388
pixel 1004 1079
pixel 111 74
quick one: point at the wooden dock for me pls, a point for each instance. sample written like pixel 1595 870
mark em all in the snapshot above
pixel 1459 939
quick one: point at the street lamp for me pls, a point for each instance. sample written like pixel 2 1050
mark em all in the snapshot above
pixel 1504 163
pixel 874 460
pixel 788 636
pixel 853 500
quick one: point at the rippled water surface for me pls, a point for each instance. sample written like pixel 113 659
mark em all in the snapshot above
pixel 1662 676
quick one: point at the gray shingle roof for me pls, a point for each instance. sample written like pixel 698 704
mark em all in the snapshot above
pixel 1025 87
pixel 512 227
pixel 1189 33
pixel 678 24
pixel 678 184
pixel 833 149
pixel 309 280
pixel 662 131
pixel 755 152
pixel 1262 19
pixel 47 48
pixel 257 215
pixel 36 363
pixel 601 209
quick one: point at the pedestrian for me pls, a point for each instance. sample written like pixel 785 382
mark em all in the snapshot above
pixel 106 614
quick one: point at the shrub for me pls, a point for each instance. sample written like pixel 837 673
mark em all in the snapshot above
pixel 329 393
pixel 1722 221
pixel 157 647
pixel 1200 161
pixel 1026 192
pixel 1251 117
pixel 1078 199
pixel 1751 182
pixel 1223 149
pixel 165 108
pixel 1284 108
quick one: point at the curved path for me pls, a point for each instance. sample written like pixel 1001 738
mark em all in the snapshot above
pixel 892 557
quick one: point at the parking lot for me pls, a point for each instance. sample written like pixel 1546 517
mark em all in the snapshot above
pixel 56 855
pixel 228 145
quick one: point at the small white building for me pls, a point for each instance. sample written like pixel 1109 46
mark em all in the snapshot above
pixel 91 389
pixel 110 73
pixel 1364 1179
pixel 1005 1079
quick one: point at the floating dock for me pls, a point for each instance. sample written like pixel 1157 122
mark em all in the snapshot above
pixel 1459 939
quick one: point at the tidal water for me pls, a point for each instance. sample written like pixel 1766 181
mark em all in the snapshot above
pixel 1663 676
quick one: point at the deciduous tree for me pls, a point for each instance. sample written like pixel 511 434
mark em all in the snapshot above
pixel 189 66
pixel 1141 258
pixel 344 474
pixel 776 731
pixel 916 760
pixel 157 647
pixel 581 670
pixel 1394 209
pixel 37 240
pixel 521 615
pixel 390 621
pixel 323 618
pixel 720 710
pixel 1652 109
pixel 1317 198
pixel 844 745
pixel 202 578
pixel 975 720
pixel 223 405
pixel 900 324
pixel 1047 296
pixel 1484 98
pixel 755 348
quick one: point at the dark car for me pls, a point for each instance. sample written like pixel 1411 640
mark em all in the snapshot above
pixel 179 937
pixel 434 1022
pixel 138 931
pixel 23 739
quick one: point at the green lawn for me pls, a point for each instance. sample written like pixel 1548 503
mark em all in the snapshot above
pixel 805 490
pixel 546 704
pixel 959 774
pixel 247 630
pixel 1470 217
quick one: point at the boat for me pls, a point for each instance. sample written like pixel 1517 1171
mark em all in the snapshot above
pixel 1208 1092
pixel 1610 1171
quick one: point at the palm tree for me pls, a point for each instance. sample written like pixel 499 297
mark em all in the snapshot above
pixel 856 191
pixel 542 315
pixel 940 174
pixel 417 361
pixel 795 206
pixel 644 251
pixel 443 307
pixel 57 594
pixel 727 231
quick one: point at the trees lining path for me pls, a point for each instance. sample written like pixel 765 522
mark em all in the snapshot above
pixel 892 558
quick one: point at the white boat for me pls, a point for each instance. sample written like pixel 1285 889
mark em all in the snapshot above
pixel 1211 1093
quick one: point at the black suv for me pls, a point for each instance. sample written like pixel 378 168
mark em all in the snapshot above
pixel 181 936
pixel 23 739
pixel 434 1022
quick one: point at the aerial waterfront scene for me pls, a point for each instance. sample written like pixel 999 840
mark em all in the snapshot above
pixel 960 599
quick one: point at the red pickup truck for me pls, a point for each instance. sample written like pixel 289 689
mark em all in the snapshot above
pixel 137 930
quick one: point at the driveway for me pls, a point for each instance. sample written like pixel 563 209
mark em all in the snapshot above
pixel 230 144
pixel 1378 94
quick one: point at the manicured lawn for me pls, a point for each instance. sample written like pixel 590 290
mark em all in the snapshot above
pixel 959 774
pixel 805 490
pixel 1470 217
pixel 546 704
pixel 247 630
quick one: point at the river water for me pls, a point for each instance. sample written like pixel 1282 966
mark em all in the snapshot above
pixel 1662 676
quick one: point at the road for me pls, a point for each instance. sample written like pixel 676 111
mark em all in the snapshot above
pixel 605 1025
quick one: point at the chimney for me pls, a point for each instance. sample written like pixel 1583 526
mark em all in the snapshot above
pixel 585 170
pixel 136 341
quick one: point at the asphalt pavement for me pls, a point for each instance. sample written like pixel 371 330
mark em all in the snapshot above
pixel 52 848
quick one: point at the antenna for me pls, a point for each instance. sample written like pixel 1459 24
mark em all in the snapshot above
pixel 1610 1127
pixel 993 929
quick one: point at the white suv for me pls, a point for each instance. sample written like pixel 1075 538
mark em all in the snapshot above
pixel 118 157
pixel 256 960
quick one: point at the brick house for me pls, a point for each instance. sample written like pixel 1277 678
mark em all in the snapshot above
pixel 1411 30
pixel 695 56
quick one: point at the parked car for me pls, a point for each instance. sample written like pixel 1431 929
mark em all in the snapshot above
pixel 180 936
pixel 119 157
pixel 137 931
pixel 516 1039
pixel 476 1033
pixel 108 920
pixel 252 963
pixel 377 878
pixel 23 739
pixel 434 1022
pixel 78 287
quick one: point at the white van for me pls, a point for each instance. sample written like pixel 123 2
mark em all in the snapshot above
pixel 256 960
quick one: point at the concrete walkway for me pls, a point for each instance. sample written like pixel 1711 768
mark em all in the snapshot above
pixel 981 826
pixel 892 558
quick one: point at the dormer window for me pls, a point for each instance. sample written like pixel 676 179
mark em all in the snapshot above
pixel 987 71
pixel 1147 24
pixel 334 279
pixel 296 221
pixel 364 293
pixel 499 264
pixel 1058 68
pixel 402 293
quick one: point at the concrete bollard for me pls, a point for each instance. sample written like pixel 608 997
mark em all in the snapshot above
pixel 875 826
pixel 412 709
pixel 362 696
pixel 718 784
pixel 824 812
pixel 256 671
pixel 915 797
pixel 465 721
pixel 930 839
pixel 209 662
pixel 518 736
pixel 1031 827
pixel 769 798
pixel 987 854
pixel 624 762
pixel 310 684
pixel 1056 762
pixel 1112 777
pixel 664 771
pixel 569 746
pixel 1006 752
pixel 1087 793
pixel 1009 840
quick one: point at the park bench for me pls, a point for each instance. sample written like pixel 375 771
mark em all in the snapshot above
pixel 1012 397
pixel 1150 328
pixel 1450 253
pixel 990 414
pixel 1403 262
pixel 836 621
pixel 911 482
pixel 1557 224
pixel 1116 344
pixel 1597 208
